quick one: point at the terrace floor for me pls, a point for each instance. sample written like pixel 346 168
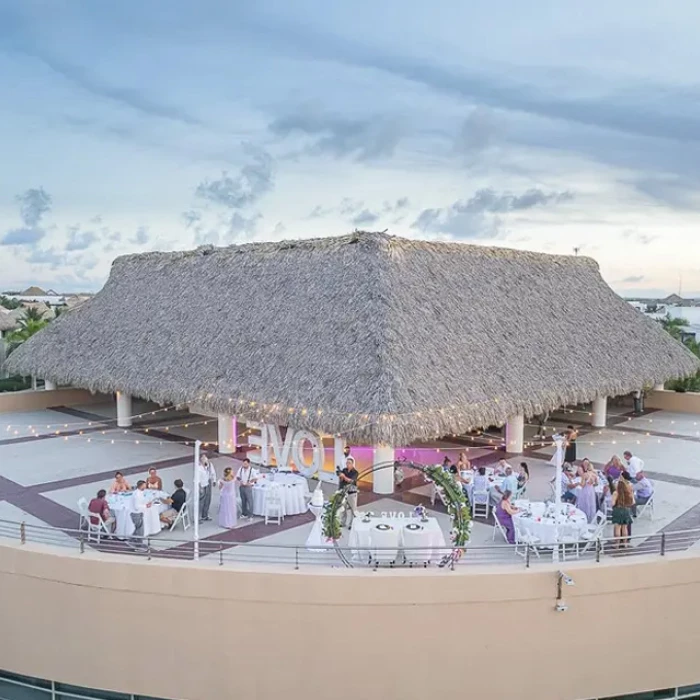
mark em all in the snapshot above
pixel 51 458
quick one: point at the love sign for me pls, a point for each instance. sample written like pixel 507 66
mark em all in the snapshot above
pixel 301 448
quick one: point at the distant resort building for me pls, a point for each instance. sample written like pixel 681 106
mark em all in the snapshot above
pixel 384 340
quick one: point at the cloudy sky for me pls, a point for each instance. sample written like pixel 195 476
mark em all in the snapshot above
pixel 139 125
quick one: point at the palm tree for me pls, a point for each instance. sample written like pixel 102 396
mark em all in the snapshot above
pixel 28 326
pixel 674 325
pixel 31 313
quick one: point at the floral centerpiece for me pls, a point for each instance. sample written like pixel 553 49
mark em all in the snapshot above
pixel 420 512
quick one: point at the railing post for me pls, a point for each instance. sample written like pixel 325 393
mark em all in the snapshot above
pixel 82 543
pixel 663 544
pixel 221 554
pixel 148 548
pixel 598 547
pixel 23 533
pixel 527 556
pixel 296 558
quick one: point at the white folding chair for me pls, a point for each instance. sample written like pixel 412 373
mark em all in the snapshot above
pixel 272 508
pixel 411 540
pixel 649 505
pixel 595 532
pixel 84 513
pixel 570 541
pixel 481 503
pixel 524 537
pixel 97 529
pixel 497 527
pixel 184 515
pixel 387 542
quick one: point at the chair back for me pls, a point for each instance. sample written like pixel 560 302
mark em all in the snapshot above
pixel 83 505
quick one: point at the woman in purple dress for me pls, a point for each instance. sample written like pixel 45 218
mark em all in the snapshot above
pixel 586 500
pixel 505 511
pixel 228 510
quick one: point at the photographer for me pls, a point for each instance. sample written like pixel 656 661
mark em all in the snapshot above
pixel 347 478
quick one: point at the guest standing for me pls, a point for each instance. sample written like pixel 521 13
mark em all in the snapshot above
pixel 634 464
pixel 228 510
pixel 206 478
pixel 523 475
pixel 139 507
pixel 505 511
pixel 614 468
pixel 347 479
pixel 509 484
pixel 246 478
pixel 586 500
pixel 571 437
pixel 622 502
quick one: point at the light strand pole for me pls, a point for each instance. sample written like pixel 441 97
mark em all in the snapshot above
pixel 558 463
pixel 195 498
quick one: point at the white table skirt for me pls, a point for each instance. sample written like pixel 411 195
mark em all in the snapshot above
pixel 573 522
pixel 364 536
pixel 293 490
pixel 121 505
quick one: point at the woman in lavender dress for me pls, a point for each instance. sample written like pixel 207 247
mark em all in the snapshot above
pixel 228 510
pixel 505 511
pixel 586 500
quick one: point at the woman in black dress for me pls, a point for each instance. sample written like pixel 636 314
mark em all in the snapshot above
pixel 570 453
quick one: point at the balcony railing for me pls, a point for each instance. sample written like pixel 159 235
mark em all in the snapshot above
pixel 226 552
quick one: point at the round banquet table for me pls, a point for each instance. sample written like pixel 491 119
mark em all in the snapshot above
pixel 293 490
pixel 538 520
pixel 121 505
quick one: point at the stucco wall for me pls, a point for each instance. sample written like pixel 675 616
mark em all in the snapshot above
pixel 37 400
pixel 112 623
pixel 680 402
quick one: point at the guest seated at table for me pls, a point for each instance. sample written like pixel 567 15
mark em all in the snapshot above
pixel 500 468
pixel 606 499
pixel 98 505
pixel 569 483
pixel 481 481
pixel 463 463
pixel 176 501
pixel 446 462
pixel 614 468
pixel 505 511
pixel 643 490
pixel 153 481
pixel 510 483
pixel 120 484
pixel 523 475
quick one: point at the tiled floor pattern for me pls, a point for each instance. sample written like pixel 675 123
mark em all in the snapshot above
pixel 41 478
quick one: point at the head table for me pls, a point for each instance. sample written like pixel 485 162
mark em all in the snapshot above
pixel 121 504
pixel 538 519
pixel 395 533
pixel 293 490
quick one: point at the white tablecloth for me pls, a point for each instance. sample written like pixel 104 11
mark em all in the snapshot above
pixel 121 505
pixel 541 522
pixel 293 490
pixel 494 480
pixel 365 535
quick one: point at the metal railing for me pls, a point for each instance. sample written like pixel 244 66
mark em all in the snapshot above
pixel 223 552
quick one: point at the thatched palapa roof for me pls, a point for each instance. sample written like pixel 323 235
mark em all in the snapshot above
pixel 379 338
pixel 7 321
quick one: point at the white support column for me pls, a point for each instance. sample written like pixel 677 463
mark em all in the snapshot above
pixel 515 435
pixel 383 480
pixel 123 410
pixel 600 412
pixel 49 386
pixel 659 387
pixel 227 434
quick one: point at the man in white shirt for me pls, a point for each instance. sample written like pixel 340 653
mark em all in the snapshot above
pixel 510 483
pixel 246 476
pixel 139 506
pixel 634 464
pixel 206 477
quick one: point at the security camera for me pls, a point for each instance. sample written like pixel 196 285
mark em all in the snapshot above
pixel 561 606
pixel 566 579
